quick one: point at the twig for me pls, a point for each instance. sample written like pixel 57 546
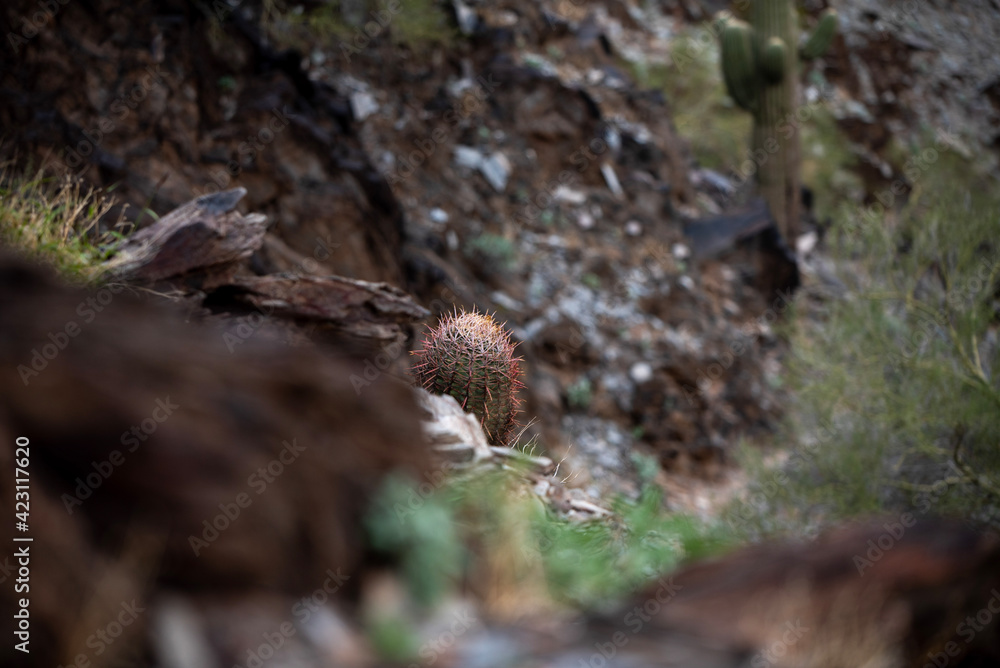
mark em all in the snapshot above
pixel 973 477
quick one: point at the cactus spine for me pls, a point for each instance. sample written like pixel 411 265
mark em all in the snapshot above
pixel 471 357
pixel 760 64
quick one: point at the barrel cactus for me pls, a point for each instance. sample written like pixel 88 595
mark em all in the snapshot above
pixel 471 357
pixel 760 68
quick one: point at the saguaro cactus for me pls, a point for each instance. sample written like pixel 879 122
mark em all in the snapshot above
pixel 760 64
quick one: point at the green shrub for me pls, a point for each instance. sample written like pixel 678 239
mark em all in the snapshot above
pixel 483 523
pixel 897 389
pixel 589 563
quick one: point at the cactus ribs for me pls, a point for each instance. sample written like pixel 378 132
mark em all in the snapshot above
pixel 471 357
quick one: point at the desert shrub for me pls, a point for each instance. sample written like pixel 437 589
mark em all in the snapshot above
pixel 896 388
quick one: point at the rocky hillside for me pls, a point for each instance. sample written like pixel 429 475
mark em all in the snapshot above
pixel 306 186
pixel 514 167
pixel 496 155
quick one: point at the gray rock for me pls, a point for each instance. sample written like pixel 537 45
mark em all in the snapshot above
pixel 178 636
pixel 641 372
pixel 467 18
pixel 466 156
pixel 363 105
pixel 612 180
pixel 496 169
pixel 455 435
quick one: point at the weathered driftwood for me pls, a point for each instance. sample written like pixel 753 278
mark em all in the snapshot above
pixel 357 308
pixel 203 233
pixel 199 251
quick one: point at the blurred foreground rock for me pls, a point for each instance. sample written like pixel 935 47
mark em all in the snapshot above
pixel 929 596
pixel 894 593
pixel 160 461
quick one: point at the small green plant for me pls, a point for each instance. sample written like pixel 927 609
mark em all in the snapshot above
pixel 646 466
pixel 583 563
pixel 580 394
pixel 494 249
pixel 54 221
pixel 591 280
pixel 470 357
pixel 484 528
pixel 395 640
pixel 419 530
pixel 415 529
pixel 589 563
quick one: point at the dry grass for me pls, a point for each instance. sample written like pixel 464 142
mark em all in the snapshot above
pixel 55 221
